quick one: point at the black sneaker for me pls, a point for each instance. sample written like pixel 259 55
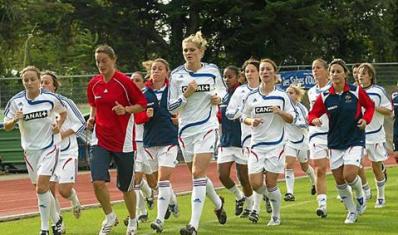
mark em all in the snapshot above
pixel 245 214
pixel 126 220
pixel 143 218
pixel 267 205
pixel 57 228
pixel 150 201
pixel 313 190
pixel 220 213
pixel 157 226
pixel 44 232
pixel 253 217
pixel 289 197
pixel 239 206
pixel 188 230
pixel 168 213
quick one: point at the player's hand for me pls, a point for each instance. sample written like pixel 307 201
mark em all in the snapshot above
pixel 215 99
pixel 192 86
pixel 149 112
pixel 90 123
pixel 174 119
pixel 55 128
pixel 276 109
pixel 362 124
pixel 119 109
pixel 18 116
pixel 257 122
pixel 316 122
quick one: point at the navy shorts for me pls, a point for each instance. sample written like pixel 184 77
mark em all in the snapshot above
pixel 99 165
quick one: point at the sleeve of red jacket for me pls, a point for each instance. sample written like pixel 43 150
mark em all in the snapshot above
pixel 219 115
pixel 141 117
pixel 367 103
pixel 318 109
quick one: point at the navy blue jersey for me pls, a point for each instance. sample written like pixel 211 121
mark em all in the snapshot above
pixel 394 100
pixel 231 131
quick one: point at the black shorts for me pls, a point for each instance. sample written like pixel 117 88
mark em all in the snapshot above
pixel 99 164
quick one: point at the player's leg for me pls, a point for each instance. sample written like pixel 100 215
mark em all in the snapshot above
pixel 377 155
pixel 289 177
pixel 307 168
pixel 319 154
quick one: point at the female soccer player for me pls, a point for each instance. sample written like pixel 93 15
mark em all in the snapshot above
pixel 113 98
pixel 160 137
pixel 195 91
pixel 343 105
pixel 267 110
pixel 35 111
pixel 318 136
pixel 65 172
pixel 375 134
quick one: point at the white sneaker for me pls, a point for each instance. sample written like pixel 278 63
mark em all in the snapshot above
pixel 76 209
pixel 380 203
pixel 339 198
pixel 322 212
pixel 107 226
pixel 131 229
pixel 361 205
pixel 368 194
pixel 274 221
pixel 351 218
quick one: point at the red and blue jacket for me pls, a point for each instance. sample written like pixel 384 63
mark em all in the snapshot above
pixel 344 111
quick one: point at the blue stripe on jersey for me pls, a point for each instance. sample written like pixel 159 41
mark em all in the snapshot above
pixel 375 131
pixel 53 94
pixel 81 129
pixel 41 102
pixel 196 75
pixel 231 116
pixel 271 142
pixel 299 141
pixel 246 138
pixel 375 94
pixel 316 134
pixel 75 110
pixel 18 95
pixel 67 147
pixel 274 98
pixel 51 144
pixel 175 105
pixel 195 123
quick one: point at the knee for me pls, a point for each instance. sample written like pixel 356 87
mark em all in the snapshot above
pixel 223 176
pixel 99 185
pixel 321 171
pixel 65 192
pixel 42 188
pixel 349 177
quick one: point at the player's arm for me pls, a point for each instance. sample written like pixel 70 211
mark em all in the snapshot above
pixel 76 119
pixel 11 116
pixel 176 100
pixel 317 110
pixel 385 107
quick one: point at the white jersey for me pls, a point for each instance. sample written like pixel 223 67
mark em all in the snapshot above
pixel 38 116
pixel 75 121
pixel 196 113
pixel 318 135
pixel 139 132
pixel 234 111
pixel 271 133
pixel 375 129
pixel 297 132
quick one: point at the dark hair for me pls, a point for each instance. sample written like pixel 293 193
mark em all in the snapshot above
pixel 368 67
pixel 53 77
pixel 253 62
pixel 356 65
pixel 106 50
pixel 234 69
pixel 341 63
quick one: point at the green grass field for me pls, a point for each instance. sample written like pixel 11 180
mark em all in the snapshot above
pixel 297 217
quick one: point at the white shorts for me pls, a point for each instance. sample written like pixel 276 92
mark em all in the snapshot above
pixel 377 152
pixel 41 162
pixel 204 142
pixel 162 156
pixel 300 154
pixel 351 156
pixel 231 154
pixel 266 161
pixel 142 164
pixel 66 170
pixel 318 151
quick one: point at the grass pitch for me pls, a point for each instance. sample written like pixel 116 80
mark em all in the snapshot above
pixel 297 217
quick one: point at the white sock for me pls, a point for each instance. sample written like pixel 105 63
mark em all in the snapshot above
pixel 250 202
pixel 110 216
pixel 274 196
pixel 132 223
pixel 146 190
pixel 346 196
pixel 322 200
pixel 54 215
pixel 258 198
pixel 356 186
pixel 173 198
pixel 235 190
pixel 289 177
pixel 57 205
pixel 212 194
pixel 380 188
pixel 163 198
pixel 311 174
pixel 44 204
pixel 198 200
pixel 73 198
pixel 140 200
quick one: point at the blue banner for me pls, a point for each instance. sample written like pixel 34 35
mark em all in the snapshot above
pixel 304 77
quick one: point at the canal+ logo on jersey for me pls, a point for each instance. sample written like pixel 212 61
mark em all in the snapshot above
pixel 264 109
pixel 35 115
pixel 200 88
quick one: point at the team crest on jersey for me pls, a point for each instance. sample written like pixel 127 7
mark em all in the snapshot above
pixel 263 109
pixel 200 88
pixel 35 115
pixel 348 98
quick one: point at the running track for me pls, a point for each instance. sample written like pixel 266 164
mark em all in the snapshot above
pixel 18 198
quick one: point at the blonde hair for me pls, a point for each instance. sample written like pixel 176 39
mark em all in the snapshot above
pixel 322 61
pixel 148 65
pixel 298 89
pixel 106 50
pixel 30 68
pixel 267 60
pixel 197 39
pixel 368 67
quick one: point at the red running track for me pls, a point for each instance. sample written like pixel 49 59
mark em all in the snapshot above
pixel 18 197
